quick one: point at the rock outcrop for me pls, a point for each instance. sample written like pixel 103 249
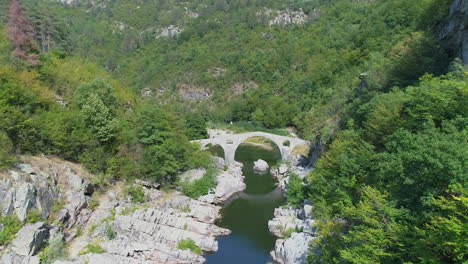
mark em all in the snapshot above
pixel 192 175
pixel 288 17
pixel 261 166
pixel 30 239
pixel 454 32
pixel 171 31
pixel 228 183
pixel 299 225
pixel 127 232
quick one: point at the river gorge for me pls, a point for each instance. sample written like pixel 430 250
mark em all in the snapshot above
pixel 247 213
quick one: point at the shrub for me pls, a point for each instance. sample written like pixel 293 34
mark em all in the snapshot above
pixel 286 143
pixel 295 194
pixel 109 231
pixel 6 151
pixel 54 251
pixel 93 204
pixel 189 244
pixel 201 186
pixel 287 233
pixel 11 226
pixel 33 217
pixel 136 193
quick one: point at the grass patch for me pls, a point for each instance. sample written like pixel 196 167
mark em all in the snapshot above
pixel 129 210
pixel 11 226
pixel 301 150
pixel 189 244
pixel 33 217
pixel 93 204
pixel 287 233
pixel 201 186
pixel 186 209
pixel 244 127
pixel 93 247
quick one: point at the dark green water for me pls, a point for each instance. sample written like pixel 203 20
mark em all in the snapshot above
pixel 247 214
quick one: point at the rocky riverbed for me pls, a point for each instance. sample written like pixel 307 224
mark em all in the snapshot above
pixel 124 231
pixel 294 227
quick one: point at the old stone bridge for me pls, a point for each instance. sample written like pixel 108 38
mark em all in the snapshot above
pixel 230 142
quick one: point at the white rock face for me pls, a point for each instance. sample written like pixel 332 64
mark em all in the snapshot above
pixel 229 183
pixel 170 31
pixel 192 175
pixel 218 162
pixel 30 239
pixel 144 234
pixel 289 17
pixel 283 169
pixel 261 165
pixel 285 219
pixel 292 250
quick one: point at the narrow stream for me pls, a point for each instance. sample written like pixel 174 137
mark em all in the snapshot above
pixel 247 214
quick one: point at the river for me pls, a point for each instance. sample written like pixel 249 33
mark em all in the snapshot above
pixel 247 214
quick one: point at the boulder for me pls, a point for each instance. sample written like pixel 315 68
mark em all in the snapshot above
pixel 283 169
pixel 209 198
pixel 218 162
pixel 30 239
pixel 25 199
pixel 192 175
pixel 16 259
pixel 229 183
pixel 292 250
pixel 261 165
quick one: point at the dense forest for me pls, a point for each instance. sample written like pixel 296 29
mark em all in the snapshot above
pixel 123 86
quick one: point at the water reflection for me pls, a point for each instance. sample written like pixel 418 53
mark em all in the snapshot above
pixel 247 214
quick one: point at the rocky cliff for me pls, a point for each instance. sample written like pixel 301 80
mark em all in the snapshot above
pixel 107 221
pixel 454 32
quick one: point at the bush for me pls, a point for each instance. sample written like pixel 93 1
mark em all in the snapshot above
pixel 201 186
pixel 54 251
pixel 189 244
pixel 295 194
pixel 286 143
pixel 33 217
pixel 11 226
pixel 136 193
pixel 287 233
pixel 93 204
pixel 6 151
pixel 110 233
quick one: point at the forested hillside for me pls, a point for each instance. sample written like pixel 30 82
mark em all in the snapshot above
pixel 303 57
pixel 122 86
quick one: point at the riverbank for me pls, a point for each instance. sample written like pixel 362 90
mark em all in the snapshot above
pixel 294 227
pixel 103 227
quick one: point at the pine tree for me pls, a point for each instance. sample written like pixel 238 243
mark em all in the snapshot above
pixel 21 34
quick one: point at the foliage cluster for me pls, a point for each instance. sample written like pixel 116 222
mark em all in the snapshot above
pixel 189 244
pixel 54 251
pixel 392 187
pixel 201 186
pixel 299 75
pixel 10 225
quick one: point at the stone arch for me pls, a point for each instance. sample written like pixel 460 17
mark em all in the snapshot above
pixel 278 146
pixel 210 146
pixel 230 142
